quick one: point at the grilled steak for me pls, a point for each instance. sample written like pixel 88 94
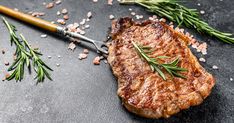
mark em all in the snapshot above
pixel 143 91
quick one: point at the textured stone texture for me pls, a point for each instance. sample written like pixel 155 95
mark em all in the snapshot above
pixel 82 92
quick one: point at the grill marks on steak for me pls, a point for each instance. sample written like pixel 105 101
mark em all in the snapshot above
pixel 144 92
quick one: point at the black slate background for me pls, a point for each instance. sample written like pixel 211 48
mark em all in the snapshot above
pixel 84 93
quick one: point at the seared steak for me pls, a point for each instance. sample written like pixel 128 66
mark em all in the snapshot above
pixel 143 91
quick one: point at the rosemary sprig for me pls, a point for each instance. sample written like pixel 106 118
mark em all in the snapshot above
pixel 39 66
pixel 24 53
pixel 181 15
pixel 171 67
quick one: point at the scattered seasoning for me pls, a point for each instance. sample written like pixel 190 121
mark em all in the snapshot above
pixel 86 51
pixel 66 17
pixel 37 14
pixel 139 16
pixel 202 60
pixel 3 51
pixel 57 64
pixel 43 36
pixel 231 79
pixel 72 46
pixel 82 22
pixel 95 1
pixel 58 13
pixel 87 19
pixel 202 12
pixel 89 14
pixel 82 32
pixel 61 21
pixel 111 17
pixel 87 26
pixel 110 2
pixel 58 2
pixel 49 57
pixel 82 56
pixel 133 13
pixel 6 63
pixel 153 18
pixel 198 4
pixel 59 56
pixel 50 5
pixel 64 11
pixel 96 60
pixel 130 9
pixel 215 67
pixel 75 25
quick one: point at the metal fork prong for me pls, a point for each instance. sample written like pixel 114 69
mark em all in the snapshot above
pixel 98 44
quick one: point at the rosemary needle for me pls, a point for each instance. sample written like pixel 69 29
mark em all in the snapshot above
pixel 171 67
pixel 24 54
pixel 180 14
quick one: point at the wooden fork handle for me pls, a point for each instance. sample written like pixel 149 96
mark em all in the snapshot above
pixel 29 19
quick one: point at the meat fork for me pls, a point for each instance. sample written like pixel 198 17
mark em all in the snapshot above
pixel 99 45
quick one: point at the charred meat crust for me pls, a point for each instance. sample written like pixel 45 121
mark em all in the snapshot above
pixel 144 92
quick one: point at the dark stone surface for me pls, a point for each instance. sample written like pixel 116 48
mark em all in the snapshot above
pixel 82 92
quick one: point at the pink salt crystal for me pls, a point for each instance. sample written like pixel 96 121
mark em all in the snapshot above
pixel 96 60
pixel 82 56
pixel 72 46
pixel 110 2
pixel 50 5
pixel 86 51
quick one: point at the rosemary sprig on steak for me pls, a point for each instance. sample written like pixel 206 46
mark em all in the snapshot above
pixel 171 67
pixel 181 15
pixel 24 53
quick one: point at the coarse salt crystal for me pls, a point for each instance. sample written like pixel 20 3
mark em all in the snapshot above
pixel 61 21
pixel 82 56
pixel 82 22
pixel 58 13
pixel 72 46
pixel 50 5
pixel 43 36
pixel 215 67
pixel 110 2
pixel 202 12
pixel 76 25
pixel 202 60
pixel 95 1
pixel 58 2
pixel 133 13
pixel 86 51
pixel 96 60
pixel 64 11
pixel 87 26
pixel 130 9
pixel 87 19
pixel 231 79
pixel 111 17
pixel 89 14
pixel 82 32
pixel 66 17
